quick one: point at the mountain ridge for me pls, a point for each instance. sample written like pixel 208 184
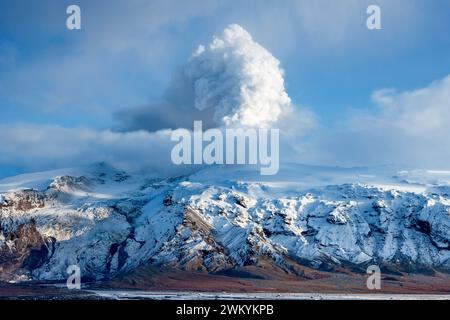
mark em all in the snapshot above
pixel 110 222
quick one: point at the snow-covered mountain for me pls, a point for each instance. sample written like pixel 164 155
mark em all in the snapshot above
pixel 109 222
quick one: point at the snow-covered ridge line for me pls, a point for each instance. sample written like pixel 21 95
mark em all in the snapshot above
pixel 109 222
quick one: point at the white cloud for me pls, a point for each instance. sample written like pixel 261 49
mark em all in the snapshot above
pixel 408 128
pixel 422 111
pixel 38 147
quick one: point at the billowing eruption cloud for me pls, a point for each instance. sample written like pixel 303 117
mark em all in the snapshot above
pixel 233 81
pixel 240 79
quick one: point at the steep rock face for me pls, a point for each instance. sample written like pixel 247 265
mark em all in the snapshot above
pixel 23 249
pixel 108 223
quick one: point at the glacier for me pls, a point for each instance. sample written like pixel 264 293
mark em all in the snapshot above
pixel 109 222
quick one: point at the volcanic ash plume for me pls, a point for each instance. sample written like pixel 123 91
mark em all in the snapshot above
pixel 239 79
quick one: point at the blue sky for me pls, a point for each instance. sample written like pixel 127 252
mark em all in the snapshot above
pixel 126 52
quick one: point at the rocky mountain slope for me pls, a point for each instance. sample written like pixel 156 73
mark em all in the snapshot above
pixel 109 222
